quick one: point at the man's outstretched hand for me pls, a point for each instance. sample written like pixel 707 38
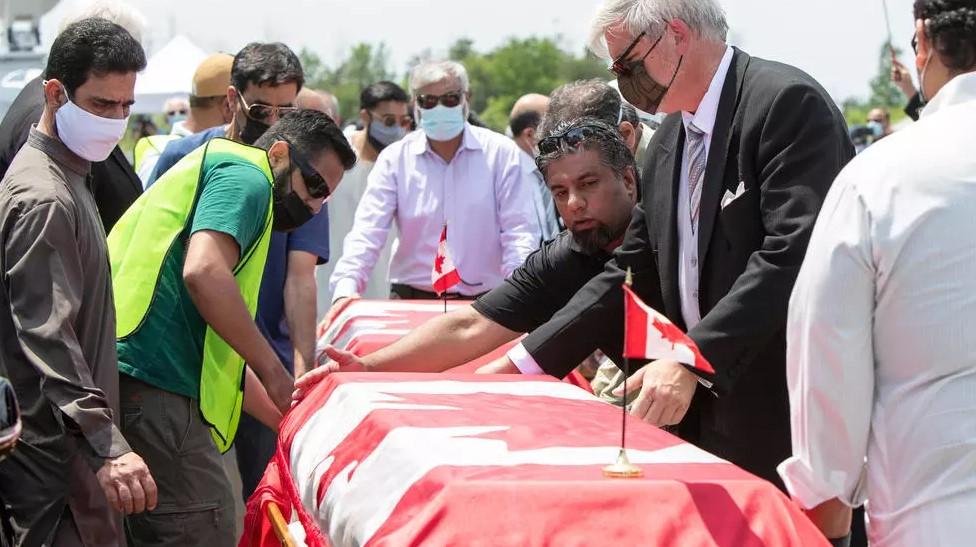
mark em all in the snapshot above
pixel 337 359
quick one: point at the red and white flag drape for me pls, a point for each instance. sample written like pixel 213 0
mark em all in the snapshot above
pixel 650 335
pixel 444 275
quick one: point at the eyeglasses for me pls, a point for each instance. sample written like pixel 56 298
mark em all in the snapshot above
pixel 450 100
pixel 181 112
pixel 571 138
pixel 621 67
pixel 314 182
pixel 915 43
pixel 264 112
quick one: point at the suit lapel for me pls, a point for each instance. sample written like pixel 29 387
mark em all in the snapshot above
pixel 119 157
pixel 714 183
pixel 663 211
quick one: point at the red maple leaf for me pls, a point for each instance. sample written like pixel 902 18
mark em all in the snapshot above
pixel 670 332
pixel 438 263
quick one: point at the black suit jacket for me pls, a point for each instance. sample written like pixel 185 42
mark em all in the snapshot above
pixel 113 182
pixel 779 133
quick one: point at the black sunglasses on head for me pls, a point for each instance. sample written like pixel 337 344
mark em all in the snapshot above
pixel 571 138
pixel 315 183
pixel 450 100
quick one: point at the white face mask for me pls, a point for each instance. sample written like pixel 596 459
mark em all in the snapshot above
pixel 91 137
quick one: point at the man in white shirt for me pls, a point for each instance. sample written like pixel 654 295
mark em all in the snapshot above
pixel 448 173
pixel 523 125
pixel 882 321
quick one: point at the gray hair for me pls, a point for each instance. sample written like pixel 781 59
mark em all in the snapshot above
pixel 705 17
pixel 582 98
pixel 430 72
pixel 115 11
pixel 604 139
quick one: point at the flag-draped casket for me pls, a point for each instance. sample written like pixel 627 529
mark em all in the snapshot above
pixel 364 326
pixel 459 459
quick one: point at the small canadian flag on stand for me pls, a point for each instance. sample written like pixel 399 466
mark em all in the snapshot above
pixel 444 275
pixel 650 335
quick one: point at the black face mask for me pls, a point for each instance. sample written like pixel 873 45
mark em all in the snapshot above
pixel 253 130
pixel 643 91
pixel 290 210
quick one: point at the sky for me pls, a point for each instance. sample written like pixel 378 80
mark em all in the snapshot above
pixel 836 41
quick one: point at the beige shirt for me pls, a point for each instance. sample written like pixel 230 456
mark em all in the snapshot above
pixel 57 341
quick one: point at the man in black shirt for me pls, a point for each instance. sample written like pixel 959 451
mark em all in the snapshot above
pixel 591 174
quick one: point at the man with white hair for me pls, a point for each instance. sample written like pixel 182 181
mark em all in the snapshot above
pixel 449 173
pixel 732 185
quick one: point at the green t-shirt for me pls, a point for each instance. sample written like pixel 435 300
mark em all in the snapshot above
pixel 167 349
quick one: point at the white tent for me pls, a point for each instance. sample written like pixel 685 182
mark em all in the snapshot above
pixel 168 73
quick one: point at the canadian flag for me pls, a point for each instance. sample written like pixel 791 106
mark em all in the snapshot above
pixel 444 275
pixel 650 335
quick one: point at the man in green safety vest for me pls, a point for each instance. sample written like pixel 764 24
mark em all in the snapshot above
pixel 187 260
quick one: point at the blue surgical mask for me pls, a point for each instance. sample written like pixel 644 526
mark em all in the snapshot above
pixel 876 128
pixel 442 123
pixel 175 118
pixel 381 136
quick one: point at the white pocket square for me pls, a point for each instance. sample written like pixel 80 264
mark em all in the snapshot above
pixel 729 197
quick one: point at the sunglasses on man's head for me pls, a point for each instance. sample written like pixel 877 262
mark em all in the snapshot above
pixel 314 182
pixel 449 100
pixel 264 112
pixel 570 138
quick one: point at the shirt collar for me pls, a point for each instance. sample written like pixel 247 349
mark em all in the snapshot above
pixel 958 90
pixel 58 151
pixel 420 144
pixel 704 117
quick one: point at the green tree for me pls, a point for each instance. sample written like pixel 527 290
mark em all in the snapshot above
pixel 884 94
pixel 365 64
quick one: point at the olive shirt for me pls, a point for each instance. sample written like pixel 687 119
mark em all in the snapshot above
pixel 167 350
pixel 57 343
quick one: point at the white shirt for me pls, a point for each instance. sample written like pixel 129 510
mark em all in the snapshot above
pixel 704 120
pixel 688 260
pixel 881 355
pixel 151 156
pixel 545 212
pixel 342 211
pixel 482 195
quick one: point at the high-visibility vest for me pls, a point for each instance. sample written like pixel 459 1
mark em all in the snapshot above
pixel 156 143
pixel 138 246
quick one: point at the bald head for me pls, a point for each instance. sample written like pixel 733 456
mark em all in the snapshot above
pixel 524 120
pixel 533 102
pixel 322 101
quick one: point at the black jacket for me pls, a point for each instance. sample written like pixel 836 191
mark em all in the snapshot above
pixel 779 133
pixel 113 182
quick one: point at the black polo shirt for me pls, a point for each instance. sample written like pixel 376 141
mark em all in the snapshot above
pixel 542 285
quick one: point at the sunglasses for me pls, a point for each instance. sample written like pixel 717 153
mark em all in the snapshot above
pixel 621 67
pixel 915 43
pixel 450 100
pixel 264 112
pixel 570 138
pixel 175 112
pixel 314 182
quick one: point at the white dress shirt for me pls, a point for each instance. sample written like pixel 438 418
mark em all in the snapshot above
pixel 881 335
pixel 342 211
pixel 482 195
pixel 545 209
pixel 704 120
